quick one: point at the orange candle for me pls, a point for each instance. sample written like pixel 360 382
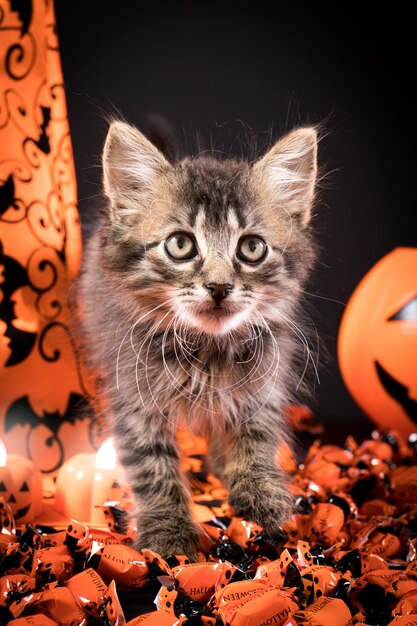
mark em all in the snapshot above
pixel 86 482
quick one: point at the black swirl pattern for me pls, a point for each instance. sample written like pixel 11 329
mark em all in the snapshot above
pixel 46 408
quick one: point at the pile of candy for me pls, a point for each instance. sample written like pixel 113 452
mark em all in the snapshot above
pixel 347 556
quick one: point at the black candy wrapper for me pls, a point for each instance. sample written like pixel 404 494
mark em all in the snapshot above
pixel 347 556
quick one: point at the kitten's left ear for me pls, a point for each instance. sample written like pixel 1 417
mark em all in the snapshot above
pixel 289 171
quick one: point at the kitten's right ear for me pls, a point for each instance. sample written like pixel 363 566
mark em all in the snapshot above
pixel 131 166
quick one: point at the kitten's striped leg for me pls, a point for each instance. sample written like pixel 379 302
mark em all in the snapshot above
pixel 258 489
pixel 150 456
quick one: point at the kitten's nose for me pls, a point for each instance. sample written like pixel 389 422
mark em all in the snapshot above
pixel 219 291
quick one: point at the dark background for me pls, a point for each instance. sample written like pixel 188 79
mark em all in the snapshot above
pixel 217 71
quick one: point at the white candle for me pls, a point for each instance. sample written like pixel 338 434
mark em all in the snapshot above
pixel 86 482
pixel 106 482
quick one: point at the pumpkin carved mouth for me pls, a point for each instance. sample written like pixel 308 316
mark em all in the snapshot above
pixel 22 512
pixel 397 391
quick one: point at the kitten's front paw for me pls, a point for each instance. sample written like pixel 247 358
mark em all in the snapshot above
pixel 169 537
pixel 261 496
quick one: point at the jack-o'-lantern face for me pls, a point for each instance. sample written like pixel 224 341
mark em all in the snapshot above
pixel 19 500
pixel 377 343
pixel 21 488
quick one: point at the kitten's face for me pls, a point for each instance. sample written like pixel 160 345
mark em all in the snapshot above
pixel 218 246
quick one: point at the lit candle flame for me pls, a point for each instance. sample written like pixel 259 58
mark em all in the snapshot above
pixel 106 456
pixel 3 454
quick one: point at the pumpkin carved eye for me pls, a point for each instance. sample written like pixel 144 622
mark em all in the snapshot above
pixel 24 487
pixel 407 313
pixel 2 486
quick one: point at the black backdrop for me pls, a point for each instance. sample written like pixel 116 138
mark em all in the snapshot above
pixel 217 70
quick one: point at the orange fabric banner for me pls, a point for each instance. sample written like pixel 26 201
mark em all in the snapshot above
pixel 45 407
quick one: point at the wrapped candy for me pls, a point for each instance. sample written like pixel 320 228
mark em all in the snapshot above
pixel 111 612
pixel 318 580
pixel 156 618
pixel 57 603
pixel 270 606
pixel 325 610
pixel 200 580
pixel 33 620
pixel 235 592
pixel 14 586
pixel 89 590
pixel 54 563
pixel 347 556
pixel 7 523
pixel 325 523
pixel 404 620
pixel 124 565
pixel 242 532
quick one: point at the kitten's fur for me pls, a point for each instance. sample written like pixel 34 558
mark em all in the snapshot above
pixel 166 353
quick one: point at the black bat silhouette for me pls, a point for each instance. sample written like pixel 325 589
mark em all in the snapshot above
pixel 43 141
pixel 14 276
pixel 24 9
pixel 7 198
pixel 21 412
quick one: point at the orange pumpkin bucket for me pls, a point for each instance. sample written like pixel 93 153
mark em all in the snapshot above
pixel 377 343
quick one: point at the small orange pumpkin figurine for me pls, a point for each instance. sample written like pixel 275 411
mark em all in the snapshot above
pixel 20 485
pixel 377 344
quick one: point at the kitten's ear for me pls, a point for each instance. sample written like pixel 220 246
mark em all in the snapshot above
pixel 131 166
pixel 289 170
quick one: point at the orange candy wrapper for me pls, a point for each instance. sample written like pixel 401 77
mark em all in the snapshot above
pixel 403 586
pixel 58 604
pixel 324 611
pixel 55 563
pixel 124 565
pixel 157 618
pixel 89 590
pixel 275 571
pixel 325 523
pixel 271 606
pixel 236 592
pixel 407 605
pixel 111 612
pixel 242 532
pixel 33 620
pixel 318 580
pixel 7 524
pixel 348 555
pixel 97 601
pixel 199 581
pixel 52 540
pixel 15 584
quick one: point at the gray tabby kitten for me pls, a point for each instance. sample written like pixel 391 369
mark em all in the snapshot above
pixel 190 292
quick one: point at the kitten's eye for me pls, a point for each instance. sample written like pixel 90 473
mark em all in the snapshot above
pixel 251 249
pixel 181 247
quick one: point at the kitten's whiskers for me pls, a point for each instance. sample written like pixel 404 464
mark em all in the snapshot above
pixel 130 330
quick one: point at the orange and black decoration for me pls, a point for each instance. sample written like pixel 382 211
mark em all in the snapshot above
pixel 45 406
pixel 377 342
